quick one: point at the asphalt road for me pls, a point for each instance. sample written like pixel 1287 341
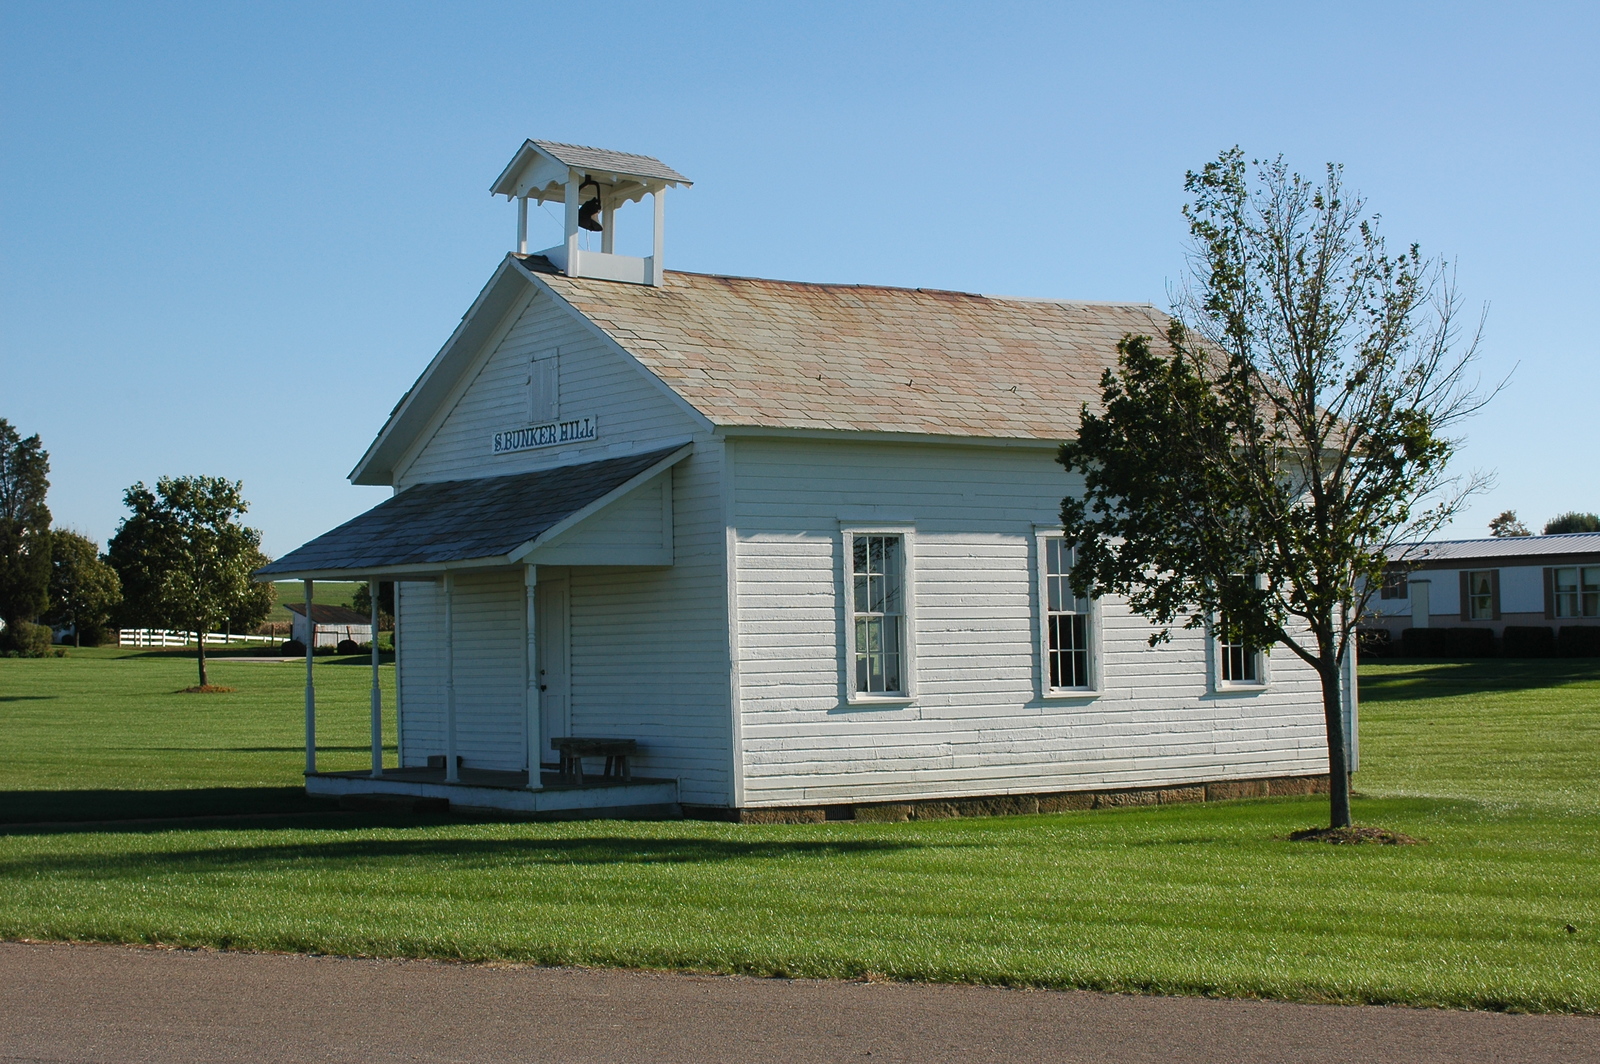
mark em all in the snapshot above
pixel 107 1003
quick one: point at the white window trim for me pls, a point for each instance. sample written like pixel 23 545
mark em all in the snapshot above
pixel 1042 595
pixel 847 620
pixel 1214 653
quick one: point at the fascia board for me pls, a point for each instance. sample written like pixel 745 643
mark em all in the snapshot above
pixel 422 400
pixel 610 341
pixel 577 517
pixel 412 571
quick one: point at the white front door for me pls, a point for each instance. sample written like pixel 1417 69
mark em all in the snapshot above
pixel 550 609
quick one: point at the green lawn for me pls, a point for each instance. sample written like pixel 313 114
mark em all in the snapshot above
pixel 1494 763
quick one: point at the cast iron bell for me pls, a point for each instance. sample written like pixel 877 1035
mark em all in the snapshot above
pixel 589 216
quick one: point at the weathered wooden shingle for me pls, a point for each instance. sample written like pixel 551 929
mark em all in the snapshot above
pixel 458 520
pixel 782 354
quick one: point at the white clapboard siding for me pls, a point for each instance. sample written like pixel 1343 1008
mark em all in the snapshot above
pixel 419 666
pixel 648 644
pixel 595 379
pixel 488 670
pixel 649 657
pixel 978 724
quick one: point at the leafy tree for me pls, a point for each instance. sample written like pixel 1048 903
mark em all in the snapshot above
pixel 1572 522
pixel 257 602
pixel 83 588
pixel 184 559
pixel 1507 525
pixel 24 530
pixel 361 602
pixel 1259 465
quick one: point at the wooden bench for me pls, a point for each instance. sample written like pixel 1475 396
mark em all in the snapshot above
pixel 616 752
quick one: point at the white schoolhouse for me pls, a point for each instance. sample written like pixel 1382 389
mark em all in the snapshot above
pixel 774 550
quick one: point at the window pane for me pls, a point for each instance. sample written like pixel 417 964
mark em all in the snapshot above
pixel 1566 588
pixel 1066 621
pixel 876 588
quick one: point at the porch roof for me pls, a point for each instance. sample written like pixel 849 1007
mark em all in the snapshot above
pixel 454 523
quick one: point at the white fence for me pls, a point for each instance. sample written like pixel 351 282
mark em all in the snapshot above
pixel 163 637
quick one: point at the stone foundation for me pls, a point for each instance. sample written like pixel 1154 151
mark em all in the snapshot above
pixel 1017 804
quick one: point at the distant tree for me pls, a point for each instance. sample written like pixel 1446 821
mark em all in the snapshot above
pixel 1572 522
pixel 258 601
pixel 1256 470
pixel 24 531
pixel 361 602
pixel 184 559
pixel 83 588
pixel 1507 525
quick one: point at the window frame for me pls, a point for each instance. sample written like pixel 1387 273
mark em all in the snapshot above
pixel 1396 585
pixel 1577 594
pixel 1468 613
pixel 1218 648
pixel 847 613
pixel 1092 640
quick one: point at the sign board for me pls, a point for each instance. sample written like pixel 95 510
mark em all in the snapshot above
pixel 551 434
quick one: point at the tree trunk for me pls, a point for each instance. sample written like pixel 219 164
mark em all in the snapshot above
pixel 200 642
pixel 1338 762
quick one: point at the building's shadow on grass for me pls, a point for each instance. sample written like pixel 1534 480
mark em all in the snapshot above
pixel 53 807
pixel 447 853
pixel 1426 677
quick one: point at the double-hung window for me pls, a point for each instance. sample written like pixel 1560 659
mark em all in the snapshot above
pixel 1066 652
pixel 1239 663
pixel 1482 588
pixel 1396 585
pixel 1577 591
pixel 879 630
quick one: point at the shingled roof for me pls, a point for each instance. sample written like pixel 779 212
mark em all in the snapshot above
pixel 784 354
pixel 430 525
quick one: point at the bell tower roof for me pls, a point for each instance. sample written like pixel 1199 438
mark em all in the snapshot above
pixel 592 183
pixel 540 170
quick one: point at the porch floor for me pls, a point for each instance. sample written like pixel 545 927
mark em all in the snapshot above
pixel 481 788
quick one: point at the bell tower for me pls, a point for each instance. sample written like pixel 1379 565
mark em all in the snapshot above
pixel 591 183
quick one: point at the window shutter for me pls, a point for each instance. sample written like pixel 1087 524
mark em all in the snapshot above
pixel 543 388
pixel 1466 596
pixel 1549 594
pixel 1494 593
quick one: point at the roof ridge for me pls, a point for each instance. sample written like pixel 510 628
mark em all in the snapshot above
pixel 928 291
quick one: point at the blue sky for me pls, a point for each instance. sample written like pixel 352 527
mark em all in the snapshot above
pixel 231 235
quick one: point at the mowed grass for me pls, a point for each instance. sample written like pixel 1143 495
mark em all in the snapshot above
pixel 1493 763
pixel 108 733
pixel 323 592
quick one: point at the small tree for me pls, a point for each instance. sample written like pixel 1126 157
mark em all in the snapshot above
pixel 1507 525
pixel 184 559
pixel 361 602
pixel 24 531
pixel 1572 522
pixel 83 588
pixel 1259 467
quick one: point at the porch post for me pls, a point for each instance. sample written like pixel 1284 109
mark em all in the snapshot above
pixel 377 691
pixel 533 726
pixel 311 690
pixel 452 772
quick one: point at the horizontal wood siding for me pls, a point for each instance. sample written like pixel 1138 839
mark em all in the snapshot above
pixel 978 724
pixel 649 656
pixel 420 670
pixel 595 379
pixel 648 645
pixel 488 667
